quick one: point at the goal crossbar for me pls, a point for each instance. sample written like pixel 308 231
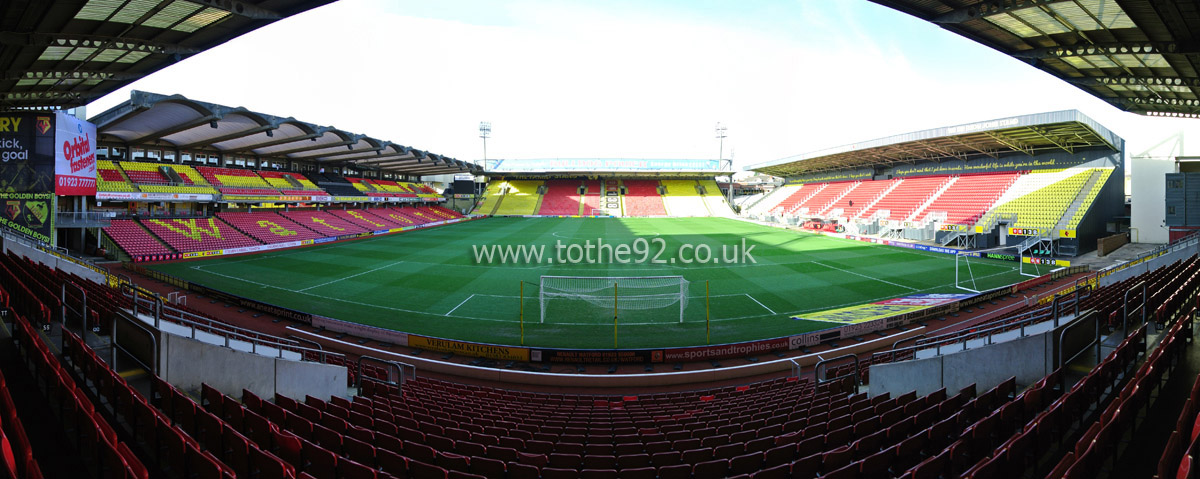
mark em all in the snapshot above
pixel 615 292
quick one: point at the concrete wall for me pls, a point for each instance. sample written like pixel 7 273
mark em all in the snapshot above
pixel 1147 189
pixel 186 363
pixel 53 261
pixel 1029 359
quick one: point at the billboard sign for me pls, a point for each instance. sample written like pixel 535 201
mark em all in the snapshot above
pixel 27 152
pixel 30 213
pixel 74 156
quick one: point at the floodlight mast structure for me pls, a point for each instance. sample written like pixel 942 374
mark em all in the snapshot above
pixel 721 159
pixel 485 131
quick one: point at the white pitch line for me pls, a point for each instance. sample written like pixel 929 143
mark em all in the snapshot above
pixel 865 276
pixel 759 303
pixel 460 305
pixel 348 277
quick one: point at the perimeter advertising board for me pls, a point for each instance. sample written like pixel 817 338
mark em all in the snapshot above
pixel 49 152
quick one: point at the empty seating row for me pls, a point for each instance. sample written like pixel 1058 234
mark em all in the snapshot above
pixel 683 199
pixel 198 234
pixel 561 198
pixel 642 198
pixel 138 243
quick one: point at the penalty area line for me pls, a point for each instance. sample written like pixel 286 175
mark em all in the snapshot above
pixel 459 305
pixel 760 303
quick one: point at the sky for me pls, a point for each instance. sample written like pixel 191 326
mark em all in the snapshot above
pixel 626 78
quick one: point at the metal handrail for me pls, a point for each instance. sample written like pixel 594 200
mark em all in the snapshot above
pixel 178 316
pixel 400 367
pixel 1142 307
pixel 116 345
pixel 935 343
pixel 254 341
pixel 825 362
pixel 1062 337
pixel 910 338
pixel 82 312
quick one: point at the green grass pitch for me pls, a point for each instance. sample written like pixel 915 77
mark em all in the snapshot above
pixel 428 281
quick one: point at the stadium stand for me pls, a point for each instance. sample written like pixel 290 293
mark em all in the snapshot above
pixel 642 198
pixel 362 218
pixel 858 199
pixel 823 198
pixel 906 197
pixel 967 198
pixel 290 183
pixel 714 200
pixel 1038 200
pixel 520 198
pixel 492 196
pixel 138 243
pixel 396 216
pixel 422 190
pixel 151 178
pixel 400 189
pixel 368 188
pixel 591 198
pixel 110 178
pixel 237 182
pixel 334 184
pixel 197 234
pixel 786 198
pixel 323 223
pixel 561 198
pixel 442 211
pixel 1085 203
pixel 683 199
pixel 268 227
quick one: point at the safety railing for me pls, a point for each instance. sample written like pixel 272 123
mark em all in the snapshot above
pixel 116 343
pixel 399 367
pixel 1139 287
pixel 820 370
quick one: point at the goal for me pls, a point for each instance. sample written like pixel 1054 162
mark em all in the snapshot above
pixel 970 266
pixel 598 294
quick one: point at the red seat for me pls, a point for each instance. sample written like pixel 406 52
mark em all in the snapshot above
pixel 348 469
pixel 392 463
pixel 268 466
pixel 318 460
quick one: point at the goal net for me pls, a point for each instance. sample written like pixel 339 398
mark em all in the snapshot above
pixel 595 295
pixel 975 270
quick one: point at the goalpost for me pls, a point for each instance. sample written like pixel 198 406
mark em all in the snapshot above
pixel 964 274
pixel 614 293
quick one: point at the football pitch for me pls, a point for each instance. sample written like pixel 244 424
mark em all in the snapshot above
pixel 434 282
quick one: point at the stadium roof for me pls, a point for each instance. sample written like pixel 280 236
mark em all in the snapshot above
pixel 1066 130
pixel 646 166
pixel 64 54
pixel 1141 56
pixel 150 119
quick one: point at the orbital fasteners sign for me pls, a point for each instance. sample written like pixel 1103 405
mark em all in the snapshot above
pixel 74 156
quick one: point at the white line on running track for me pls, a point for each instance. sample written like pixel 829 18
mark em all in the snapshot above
pixel 865 276
pixel 460 305
pixel 759 303
pixel 348 277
